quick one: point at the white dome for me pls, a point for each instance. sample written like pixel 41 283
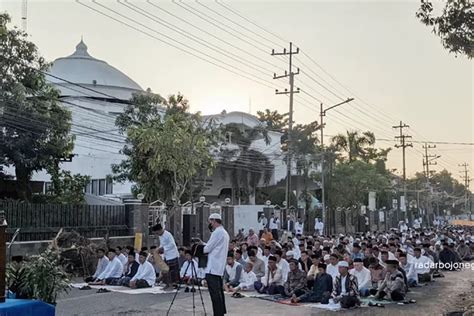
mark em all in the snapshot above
pixel 82 68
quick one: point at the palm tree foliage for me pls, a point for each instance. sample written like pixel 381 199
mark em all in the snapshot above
pixel 246 167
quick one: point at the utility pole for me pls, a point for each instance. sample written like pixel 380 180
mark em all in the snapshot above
pixel 290 74
pixel 403 144
pixel 467 181
pixel 429 160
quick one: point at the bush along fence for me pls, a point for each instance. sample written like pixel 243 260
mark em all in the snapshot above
pixel 43 221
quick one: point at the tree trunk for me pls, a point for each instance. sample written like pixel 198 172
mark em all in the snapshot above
pixel 23 187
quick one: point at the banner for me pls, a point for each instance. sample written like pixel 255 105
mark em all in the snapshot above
pixel 372 201
pixel 403 205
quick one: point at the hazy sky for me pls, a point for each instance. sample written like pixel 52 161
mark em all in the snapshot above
pixel 396 67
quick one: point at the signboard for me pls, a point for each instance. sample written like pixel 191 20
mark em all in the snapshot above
pixel 372 201
pixel 394 204
pixel 403 205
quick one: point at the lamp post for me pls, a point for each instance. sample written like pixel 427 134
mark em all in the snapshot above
pixel 3 255
pixel 322 114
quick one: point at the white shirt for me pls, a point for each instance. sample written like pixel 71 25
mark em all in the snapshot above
pixel 263 222
pixel 169 246
pixel 285 268
pixel 101 266
pixel 332 271
pixel 318 226
pixel 247 280
pixel 299 228
pixel 187 270
pixel 274 224
pixel 364 279
pixel 217 248
pixel 422 264
pixel 114 270
pixel 122 259
pixel 410 271
pixel 146 272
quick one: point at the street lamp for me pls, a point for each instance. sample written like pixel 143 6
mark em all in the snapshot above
pixel 322 115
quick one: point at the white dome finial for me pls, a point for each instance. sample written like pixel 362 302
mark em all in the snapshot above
pixel 81 49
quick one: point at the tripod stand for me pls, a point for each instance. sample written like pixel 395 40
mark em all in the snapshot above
pixel 193 289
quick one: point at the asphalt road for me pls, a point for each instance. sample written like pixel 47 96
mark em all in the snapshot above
pixel 444 295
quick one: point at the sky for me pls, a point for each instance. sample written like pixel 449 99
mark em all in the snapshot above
pixel 374 51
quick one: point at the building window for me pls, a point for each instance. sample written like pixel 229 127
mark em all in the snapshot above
pixel 101 186
pixel 228 137
pixel 110 185
pixel 88 187
pixel 48 187
pixel 95 187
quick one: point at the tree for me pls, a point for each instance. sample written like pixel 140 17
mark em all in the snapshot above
pixel 455 26
pixel 166 146
pixel 351 182
pixel 353 144
pixel 34 127
pixel 67 187
pixel 274 121
pixel 246 167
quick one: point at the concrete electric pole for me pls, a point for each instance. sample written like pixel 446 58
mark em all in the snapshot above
pixel 291 75
pixel 403 144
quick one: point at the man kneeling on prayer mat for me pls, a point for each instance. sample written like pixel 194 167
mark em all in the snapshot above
pixel 322 288
pixel 346 288
pixel 296 281
pixel 146 275
pixel 247 280
pixel 272 282
pixel 102 262
pixel 190 272
pixel 112 273
pixel 393 286
pixel 130 269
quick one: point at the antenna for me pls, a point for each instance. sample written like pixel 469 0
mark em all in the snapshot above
pixel 24 14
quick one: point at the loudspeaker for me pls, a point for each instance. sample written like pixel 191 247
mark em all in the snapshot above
pixel 189 228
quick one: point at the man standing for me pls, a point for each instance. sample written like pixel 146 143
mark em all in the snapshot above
pixel 216 248
pixel 170 250
pixel 299 227
pixel 274 226
pixel 289 224
pixel 318 227
pixel 262 222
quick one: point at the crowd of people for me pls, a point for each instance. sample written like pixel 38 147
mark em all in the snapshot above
pixel 279 259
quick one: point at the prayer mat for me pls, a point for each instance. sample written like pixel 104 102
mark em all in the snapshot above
pixel 125 290
pixel 330 307
pixel 366 300
pixel 288 302
pixel 272 298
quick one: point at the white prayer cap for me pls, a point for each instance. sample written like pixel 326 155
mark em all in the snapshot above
pixel 290 253
pixel 343 264
pixel 326 257
pixel 215 216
